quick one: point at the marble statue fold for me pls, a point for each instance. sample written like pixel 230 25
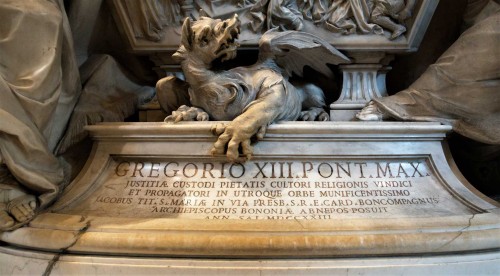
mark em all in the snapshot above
pixel 39 86
pixel 461 89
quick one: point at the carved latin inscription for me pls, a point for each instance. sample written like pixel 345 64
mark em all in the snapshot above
pixel 271 189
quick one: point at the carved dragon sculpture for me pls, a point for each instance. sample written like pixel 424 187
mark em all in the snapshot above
pixel 250 97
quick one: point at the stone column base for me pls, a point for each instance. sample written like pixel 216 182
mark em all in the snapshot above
pixel 361 84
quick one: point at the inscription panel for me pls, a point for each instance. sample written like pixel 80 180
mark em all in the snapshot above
pixel 315 189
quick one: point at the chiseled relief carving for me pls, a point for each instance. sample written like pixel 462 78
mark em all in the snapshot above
pixel 150 17
pixel 309 189
pixel 339 16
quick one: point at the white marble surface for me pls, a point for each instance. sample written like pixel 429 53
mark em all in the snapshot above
pixel 24 262
pixel 456 218
pixel 275 189
pixel 458 234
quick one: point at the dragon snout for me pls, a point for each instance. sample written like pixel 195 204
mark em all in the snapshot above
pixel 233 26
pixel 235 20
pixel 229 31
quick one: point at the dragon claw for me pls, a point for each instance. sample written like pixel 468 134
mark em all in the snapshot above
pixel 262 131
pixel 218 129
pixel 230 140
pixel 323 117
pixel 186 113
pixel 313 114
pixel 202 117
pixel 304 116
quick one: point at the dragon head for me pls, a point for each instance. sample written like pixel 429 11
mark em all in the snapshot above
pixel 208 39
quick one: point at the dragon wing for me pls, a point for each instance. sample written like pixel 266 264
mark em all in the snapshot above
pixel 292 50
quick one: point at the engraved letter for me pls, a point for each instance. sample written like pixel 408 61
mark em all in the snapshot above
pixel 117 169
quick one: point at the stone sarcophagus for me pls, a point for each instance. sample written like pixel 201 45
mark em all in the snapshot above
pixel 330 190
pixel 228 183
